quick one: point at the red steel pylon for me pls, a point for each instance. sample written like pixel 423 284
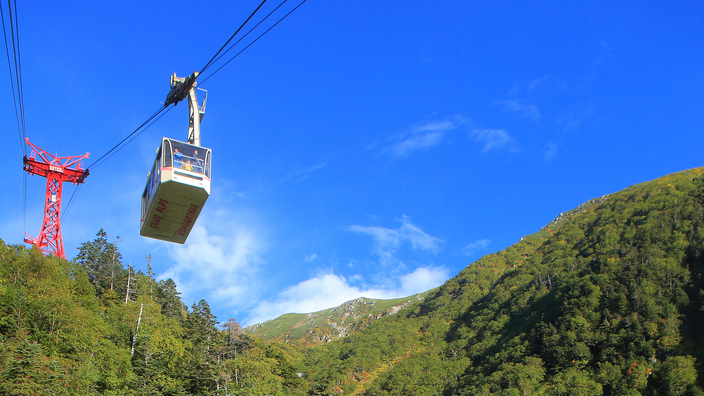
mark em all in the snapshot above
pixel 56 170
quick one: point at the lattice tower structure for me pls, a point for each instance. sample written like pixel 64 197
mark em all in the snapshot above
pixel 57 170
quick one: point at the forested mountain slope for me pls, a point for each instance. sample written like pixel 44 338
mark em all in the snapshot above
pixel 608 299
pixel 91 326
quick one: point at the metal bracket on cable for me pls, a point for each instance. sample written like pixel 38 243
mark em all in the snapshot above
pixel 180 87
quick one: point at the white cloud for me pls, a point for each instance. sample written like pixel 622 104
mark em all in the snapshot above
pixel 311 295
pixel 571 108
pixel 215 267
pixel 530 111
pixel 229 292
pixel 310 258
pixel 422 279
pixel 471 248
pixel 300 174
pixel 493 139
pixel 330 290
pixel 387 241
pixel 529 87
pixel 418 238
pixel 416 142
pixel 423 136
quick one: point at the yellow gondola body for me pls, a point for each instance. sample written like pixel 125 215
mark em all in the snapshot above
pixel 177 188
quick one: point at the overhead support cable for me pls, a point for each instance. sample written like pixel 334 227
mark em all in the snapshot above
pixel 178 96
pixel 116 149
pixel 169 100
pixel 18 63
pixel 210 62
pixel 134 133
pixel 15 78
pixel 162 110
pixel 16 87
pixel 248 32
pixel 255 40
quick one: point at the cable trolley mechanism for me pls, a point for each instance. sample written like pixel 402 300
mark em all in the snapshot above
pixel 179 182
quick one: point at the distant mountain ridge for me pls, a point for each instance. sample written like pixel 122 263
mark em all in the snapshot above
pixel 332 323
pixel 338 322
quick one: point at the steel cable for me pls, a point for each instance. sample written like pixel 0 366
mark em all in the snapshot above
pixel 255 40
pixel 212 60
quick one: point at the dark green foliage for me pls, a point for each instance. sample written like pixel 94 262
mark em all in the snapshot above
pixel 102 262
pixel 608 299
pixel 23 372
pixel 168 298
pixel 64 331
pixel 52 331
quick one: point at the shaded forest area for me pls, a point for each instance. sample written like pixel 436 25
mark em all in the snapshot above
pixel 92 326
pixel 608 299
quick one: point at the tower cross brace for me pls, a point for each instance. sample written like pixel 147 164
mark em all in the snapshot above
pixel 57 170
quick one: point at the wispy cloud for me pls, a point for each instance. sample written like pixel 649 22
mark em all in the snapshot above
pixel 565 101
pixel 573 118
pixel 329 290
pixel 387 240
pixel 529 87
pixel 310 258
pixel 550 151
pixel 423 136
pixel 473 247
pixel 529 111
pixel 492 139
pixel 300 174
pixel 417 142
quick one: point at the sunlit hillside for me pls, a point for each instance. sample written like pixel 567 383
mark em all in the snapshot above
pixel 606 299
pixel 333 323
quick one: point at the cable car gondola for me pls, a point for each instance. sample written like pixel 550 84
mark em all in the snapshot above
pixel 179 182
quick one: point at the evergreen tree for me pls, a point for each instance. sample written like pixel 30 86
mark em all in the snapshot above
pixel 200 329
pixel 23 374
pixel 102 262
pixel 169 297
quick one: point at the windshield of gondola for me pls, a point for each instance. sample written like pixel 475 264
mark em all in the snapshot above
pixel 187 157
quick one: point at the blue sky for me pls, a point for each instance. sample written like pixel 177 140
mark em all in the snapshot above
pixel 359 148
